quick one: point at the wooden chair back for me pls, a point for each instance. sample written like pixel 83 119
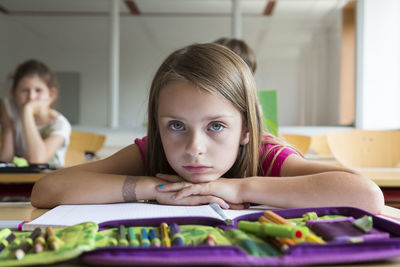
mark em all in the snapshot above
pixel 300 142
pixel 80 143
pixel 319 145
pixel 366 148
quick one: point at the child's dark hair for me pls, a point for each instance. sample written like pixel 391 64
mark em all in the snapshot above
pixel 240 48
pixel 34 67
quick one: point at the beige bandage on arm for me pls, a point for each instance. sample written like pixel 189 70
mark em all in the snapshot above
pixel 129 188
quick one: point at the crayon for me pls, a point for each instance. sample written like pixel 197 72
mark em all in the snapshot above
pixel 7 240
pixel 164 235
pixel 145 242
pixel 176 235
pixel 27 244
pixel 245 242
pixel 53 241
pixel 155 241
pixel 272 216
pixel 40 242
pixel 211 239
pixel 277 244
pixel 275 230
pixel 132 237
pixel 262 219
pixel 122 241
pixel 14 225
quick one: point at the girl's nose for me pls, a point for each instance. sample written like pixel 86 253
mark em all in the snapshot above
pixel 195 145
pixel 32 94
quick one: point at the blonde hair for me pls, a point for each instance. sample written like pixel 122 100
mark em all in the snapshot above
pixel 219 71
pixel 241 49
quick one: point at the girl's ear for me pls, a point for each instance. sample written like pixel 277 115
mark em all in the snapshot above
pixel 245 137
pixel 53 93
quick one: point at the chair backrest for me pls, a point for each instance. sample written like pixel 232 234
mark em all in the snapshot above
pixel 319 145
pixel 80 143
pixel 301 142
pixel 86 141
pixel 366 148
pixel 269 104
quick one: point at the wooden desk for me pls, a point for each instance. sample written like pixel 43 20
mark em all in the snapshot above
pixel 18 186
pixel 25 211
pixel 383 177
pixel 20 177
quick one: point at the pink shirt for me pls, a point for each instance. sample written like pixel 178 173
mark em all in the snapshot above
pixel 271 156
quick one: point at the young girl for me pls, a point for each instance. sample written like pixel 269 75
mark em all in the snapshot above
pixel 205 143
pixel 30 128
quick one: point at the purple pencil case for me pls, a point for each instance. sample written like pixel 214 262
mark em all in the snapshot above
pixel 297 255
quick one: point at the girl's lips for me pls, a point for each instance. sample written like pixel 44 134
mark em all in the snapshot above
pixel 196 169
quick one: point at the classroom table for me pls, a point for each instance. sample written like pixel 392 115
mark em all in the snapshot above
pixel 18 186
pixel 20 177
pixel 25 211
pixel 383 177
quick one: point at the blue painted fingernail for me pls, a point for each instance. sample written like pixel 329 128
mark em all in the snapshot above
pixel 160 186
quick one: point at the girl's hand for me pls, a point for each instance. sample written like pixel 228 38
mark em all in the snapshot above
pixel 166 198
pixel 38 107
pixel 226 189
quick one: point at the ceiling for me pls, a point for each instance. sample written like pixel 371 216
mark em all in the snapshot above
pixel 303 10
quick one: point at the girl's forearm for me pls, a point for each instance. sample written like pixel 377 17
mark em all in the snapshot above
pixel 35 145
pixel 85 187
pixel 323 189
pixel 7 145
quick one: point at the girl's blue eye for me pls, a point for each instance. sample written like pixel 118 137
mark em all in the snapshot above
pixel 176 126
pixel 216 127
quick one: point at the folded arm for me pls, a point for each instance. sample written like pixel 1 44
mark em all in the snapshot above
pixel 119 178
pixel 302 184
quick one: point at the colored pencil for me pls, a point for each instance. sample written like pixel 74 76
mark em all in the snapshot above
pixel 27 244
pixel 53 241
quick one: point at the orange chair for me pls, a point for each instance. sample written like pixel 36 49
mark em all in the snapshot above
pixel 80 144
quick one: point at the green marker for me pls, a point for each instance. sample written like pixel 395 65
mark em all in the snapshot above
pixel 242 240
pixel 276 230
pixel 132 237
pixel 122 241
pixel 4 233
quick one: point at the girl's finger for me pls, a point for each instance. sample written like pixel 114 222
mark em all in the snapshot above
pixel 169 178
pixel 194 189
pixel 198 200
pixel 238 206
pixel 172 187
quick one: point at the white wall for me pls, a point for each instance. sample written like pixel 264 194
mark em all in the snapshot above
pixel 378 64
pixel 319 65
pixel 81 44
